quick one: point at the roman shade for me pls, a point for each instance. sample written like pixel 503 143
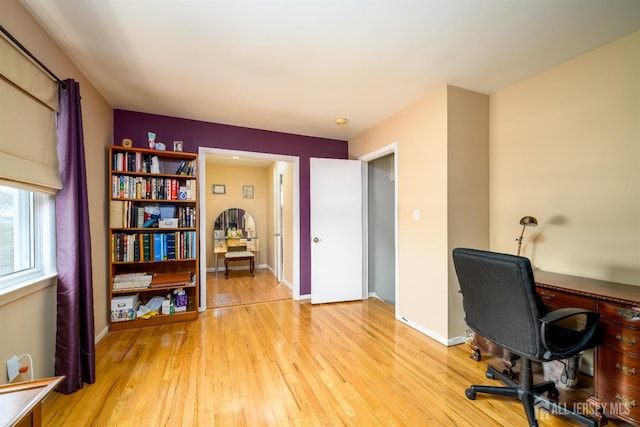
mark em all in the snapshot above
pixel 28 106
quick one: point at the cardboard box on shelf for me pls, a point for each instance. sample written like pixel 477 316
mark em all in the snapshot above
pixel 168 223
pixel 124 307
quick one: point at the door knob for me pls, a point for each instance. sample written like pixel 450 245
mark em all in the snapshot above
pixel 316 240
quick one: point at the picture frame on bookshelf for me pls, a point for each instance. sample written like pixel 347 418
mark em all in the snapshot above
pixel 247 191
pixel 219 189
pixel 177 146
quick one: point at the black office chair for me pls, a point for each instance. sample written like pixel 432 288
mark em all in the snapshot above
pixel 501 304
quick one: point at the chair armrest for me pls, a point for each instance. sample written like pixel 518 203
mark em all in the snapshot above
pixel 561 342
pixel 565 313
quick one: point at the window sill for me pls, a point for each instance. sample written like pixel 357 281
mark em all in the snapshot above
pixel 13 293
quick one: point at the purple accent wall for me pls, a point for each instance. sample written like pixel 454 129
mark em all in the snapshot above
pixel 194 134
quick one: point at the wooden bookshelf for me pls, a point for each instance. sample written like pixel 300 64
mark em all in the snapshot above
pixel 153 233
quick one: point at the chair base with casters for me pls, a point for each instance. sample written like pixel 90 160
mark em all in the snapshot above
pixel 531 395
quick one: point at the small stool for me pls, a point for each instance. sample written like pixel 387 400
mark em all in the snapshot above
pixel 238 256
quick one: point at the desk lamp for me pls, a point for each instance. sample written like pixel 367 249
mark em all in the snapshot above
pixel 525 221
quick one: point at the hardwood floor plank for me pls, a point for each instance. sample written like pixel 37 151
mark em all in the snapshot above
pixel 284 363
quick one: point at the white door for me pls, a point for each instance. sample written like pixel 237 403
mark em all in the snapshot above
pixel 336 230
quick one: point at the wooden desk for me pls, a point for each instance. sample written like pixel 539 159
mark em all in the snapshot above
pixel 21 403
pixel 616 375
pixel 616 370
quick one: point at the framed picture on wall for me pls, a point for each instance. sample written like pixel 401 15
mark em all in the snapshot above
pixel 219 189
pixel 247 191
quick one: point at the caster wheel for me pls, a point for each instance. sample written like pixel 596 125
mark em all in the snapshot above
pixel 471 394
pixel 489 375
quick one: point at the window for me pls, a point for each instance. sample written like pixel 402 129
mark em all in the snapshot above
pixel 27 238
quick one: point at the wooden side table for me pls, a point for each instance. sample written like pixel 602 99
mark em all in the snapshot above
pixel 21 403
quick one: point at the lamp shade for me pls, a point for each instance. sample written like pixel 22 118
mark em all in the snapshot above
pixel 528 221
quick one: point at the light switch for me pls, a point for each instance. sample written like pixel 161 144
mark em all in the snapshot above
pixel 416 214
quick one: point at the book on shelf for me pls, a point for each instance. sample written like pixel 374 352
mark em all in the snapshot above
pixel 178 278
pixel 157 247
pixel 132 281
pixel 171 246
pixel 182 167
pixel 146 247
pixel 155 165
pixel 116 214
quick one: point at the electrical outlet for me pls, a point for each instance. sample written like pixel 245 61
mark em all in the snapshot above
pixel 13 367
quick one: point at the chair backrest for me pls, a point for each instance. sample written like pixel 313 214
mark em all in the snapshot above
pixel 500 300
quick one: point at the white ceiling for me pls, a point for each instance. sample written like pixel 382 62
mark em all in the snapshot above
pixel 296 65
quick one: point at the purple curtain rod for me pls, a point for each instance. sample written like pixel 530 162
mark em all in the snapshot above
pixel 32 56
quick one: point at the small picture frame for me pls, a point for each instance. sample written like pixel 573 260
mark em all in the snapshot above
pixel 219 189
pixel 247 191
pixel 177 146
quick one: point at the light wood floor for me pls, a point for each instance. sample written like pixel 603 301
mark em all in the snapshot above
pixel 284 363
pixel 240 288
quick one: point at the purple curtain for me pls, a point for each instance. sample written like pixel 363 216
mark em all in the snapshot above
pixel 75 338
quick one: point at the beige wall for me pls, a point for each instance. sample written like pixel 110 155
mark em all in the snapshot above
pixel 565 148
pixel 234 178
pixel 468 187
pixel 425 138
pixel 36 314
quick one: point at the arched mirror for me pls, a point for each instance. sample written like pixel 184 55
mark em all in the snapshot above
pixel 234 223
pixel 235 231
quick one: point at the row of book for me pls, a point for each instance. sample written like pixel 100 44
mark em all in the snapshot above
pixel 149 163
pixel 152 188
pixel 128 214
pixel 187 167
pixel 143 280
pixel 159 246
pixel 132 281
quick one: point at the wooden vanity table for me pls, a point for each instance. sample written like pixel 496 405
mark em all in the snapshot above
pixel 224 245
pixel 234 230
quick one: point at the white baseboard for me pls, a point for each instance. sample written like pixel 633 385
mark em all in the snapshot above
pixel 430 334
pixel 102 334
pixel 288 285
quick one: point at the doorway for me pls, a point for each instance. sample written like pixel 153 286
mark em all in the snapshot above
pixel 380 212
pixel 242 288
pixel 382 223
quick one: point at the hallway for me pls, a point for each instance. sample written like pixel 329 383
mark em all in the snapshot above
pixel 240 288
